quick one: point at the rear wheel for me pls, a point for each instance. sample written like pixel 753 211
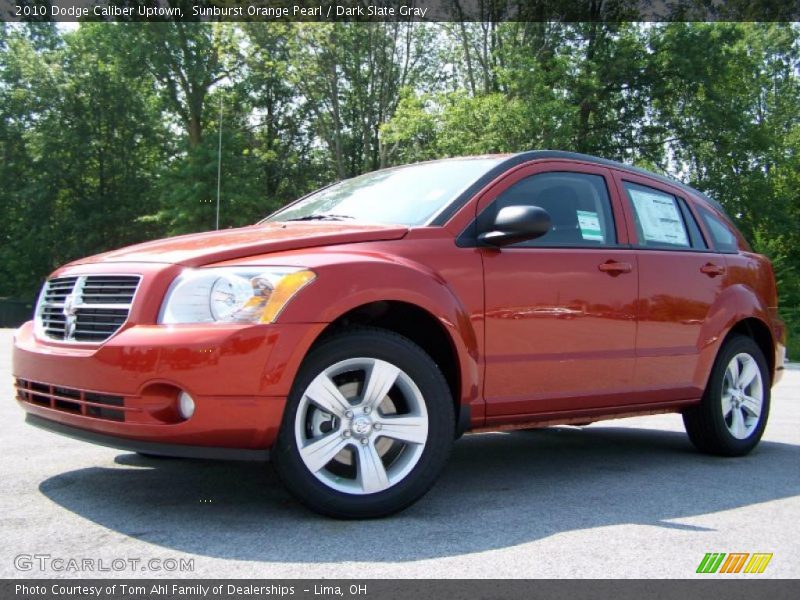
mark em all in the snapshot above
pixel 367 428
pixel 732 415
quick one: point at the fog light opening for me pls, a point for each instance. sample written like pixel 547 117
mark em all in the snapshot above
pixel 185 405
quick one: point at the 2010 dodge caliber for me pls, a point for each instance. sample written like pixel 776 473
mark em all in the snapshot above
pixel 354 334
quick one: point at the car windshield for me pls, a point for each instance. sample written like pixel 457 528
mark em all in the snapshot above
pixel 409 195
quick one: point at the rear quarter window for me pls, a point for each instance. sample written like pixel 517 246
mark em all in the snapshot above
pixel 722 237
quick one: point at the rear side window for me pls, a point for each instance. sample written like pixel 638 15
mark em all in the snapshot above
pixel 721 235
pixel 578 204
pixel 658 218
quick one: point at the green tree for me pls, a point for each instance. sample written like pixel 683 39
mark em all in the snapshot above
pixel 184 62
pixel 281 141
pixel 350 76
pixel 109 133
pixel 81 135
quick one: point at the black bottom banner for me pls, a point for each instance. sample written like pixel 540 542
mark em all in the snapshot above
pixel 452 589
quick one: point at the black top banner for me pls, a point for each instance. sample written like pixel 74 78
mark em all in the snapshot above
pixel 398 10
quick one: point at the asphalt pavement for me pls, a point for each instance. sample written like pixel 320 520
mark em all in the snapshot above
pixel 626 498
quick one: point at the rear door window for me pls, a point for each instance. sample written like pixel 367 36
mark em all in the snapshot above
pixel 658 217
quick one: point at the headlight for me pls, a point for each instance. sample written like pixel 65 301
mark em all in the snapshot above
pixel 232 295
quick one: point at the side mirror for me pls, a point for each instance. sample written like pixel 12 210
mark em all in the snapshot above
pixel 516 224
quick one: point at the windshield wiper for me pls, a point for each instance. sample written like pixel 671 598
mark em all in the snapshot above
pixel 322 217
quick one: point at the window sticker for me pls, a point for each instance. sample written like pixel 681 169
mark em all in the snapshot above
pixel 590 225
pixel 660 218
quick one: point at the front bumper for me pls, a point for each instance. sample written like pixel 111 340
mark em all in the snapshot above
pixel 154 448
pixel 123 393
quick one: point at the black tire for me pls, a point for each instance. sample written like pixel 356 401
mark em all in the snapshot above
pixel 705 422
pixel 371 343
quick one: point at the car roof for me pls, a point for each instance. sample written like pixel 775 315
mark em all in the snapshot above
pixel 512 160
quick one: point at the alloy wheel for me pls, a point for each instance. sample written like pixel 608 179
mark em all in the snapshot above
pixel 361 426
pixel 742 396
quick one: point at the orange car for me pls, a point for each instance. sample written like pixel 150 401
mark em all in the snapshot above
pixel 354 334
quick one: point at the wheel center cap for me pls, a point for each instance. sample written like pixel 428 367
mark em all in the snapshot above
pixel 361 425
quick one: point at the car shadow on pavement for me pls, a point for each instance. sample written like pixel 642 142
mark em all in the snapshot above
pixel 499 490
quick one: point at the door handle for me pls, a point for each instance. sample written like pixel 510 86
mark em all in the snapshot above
pixel 614 268
pixel 712 270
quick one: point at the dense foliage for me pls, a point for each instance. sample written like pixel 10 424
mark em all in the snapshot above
pixel 109 132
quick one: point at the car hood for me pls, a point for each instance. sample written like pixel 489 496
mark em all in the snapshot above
pixel 205 248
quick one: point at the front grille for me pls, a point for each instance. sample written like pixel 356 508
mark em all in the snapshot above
pixel 87 308
pixel 78 402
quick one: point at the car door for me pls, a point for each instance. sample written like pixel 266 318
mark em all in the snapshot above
pixel 679 279
pixel 560 326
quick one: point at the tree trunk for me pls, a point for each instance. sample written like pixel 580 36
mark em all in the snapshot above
pixel 195 128
pixel 337 120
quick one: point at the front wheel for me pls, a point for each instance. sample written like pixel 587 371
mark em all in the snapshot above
pixel 367 428
pixel 732 415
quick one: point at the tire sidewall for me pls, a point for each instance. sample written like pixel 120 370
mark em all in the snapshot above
pixel 407 356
